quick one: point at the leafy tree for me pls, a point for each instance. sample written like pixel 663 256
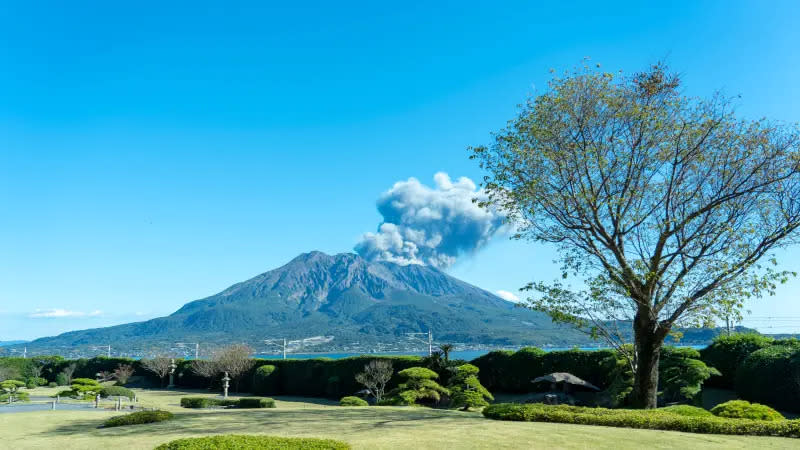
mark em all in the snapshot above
pixel 68 372
pixel 466 391
pixel 123 373
pixel 234 359
pixel 10 391
pixel 206 369
pixel 82 388
pixel 375 377
pixel 664 205
pixel 446 349
pixel 8 373
pixel 160 365
pixel 419 385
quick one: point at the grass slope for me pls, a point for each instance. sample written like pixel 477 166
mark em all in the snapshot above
pixel 363 428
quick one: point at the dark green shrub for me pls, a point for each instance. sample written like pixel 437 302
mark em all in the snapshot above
pixel 682 373
pixel 238 442
pixel 419 386
pixel 353 401
pixel 653 419
pixel 265 380
pixel 466 391
pixel 197 402
pixel 138 418
pixel 116 391
pixel 742 409
pixel 253 402
pixel 30 385
pixel 771 376
pixel 52 384
pixel 726 354
pixel 61 379
pixel 686 410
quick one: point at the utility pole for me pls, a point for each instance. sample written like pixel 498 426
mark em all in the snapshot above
pixel 196 347
pixel 107 347
pixel 272 341
pixel 429 341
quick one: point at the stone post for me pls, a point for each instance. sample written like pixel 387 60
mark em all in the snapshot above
pixel 172 368
pixel 97 401
pixel 225 384
pixel 53 405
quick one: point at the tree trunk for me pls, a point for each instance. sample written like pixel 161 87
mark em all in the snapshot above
pixel 649 340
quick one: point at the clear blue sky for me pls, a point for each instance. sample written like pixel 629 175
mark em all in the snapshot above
pixel 157 152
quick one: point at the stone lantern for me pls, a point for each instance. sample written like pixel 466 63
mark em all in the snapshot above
pixel 225 384
pixel 172 367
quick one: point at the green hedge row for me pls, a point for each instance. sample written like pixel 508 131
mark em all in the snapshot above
pixel 243 403
pixel 647 419
pixel 506 371
pixel 727 353
pixel 772 376
pixel 138 418
pixel 238 442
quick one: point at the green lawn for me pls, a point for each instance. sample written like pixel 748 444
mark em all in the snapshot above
pixel 363 428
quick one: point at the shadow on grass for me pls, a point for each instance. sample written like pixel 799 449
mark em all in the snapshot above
pixel 299 422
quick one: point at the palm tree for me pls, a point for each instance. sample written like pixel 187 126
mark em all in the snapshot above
pixel 446 349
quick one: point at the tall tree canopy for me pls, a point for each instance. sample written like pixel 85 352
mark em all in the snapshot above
pixel 667 207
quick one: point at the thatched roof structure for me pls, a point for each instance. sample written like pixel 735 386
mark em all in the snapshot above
pixel 564 377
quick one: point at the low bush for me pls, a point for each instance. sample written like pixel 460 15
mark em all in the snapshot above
pixel 647 419
pixel 255 402
pixel 419 387
pixel 116 391
pixel 742 409
pixel 52 384
pixel 237 442
pixel 244 403
pixel 138 418
pixel 352 401
pixel 686 410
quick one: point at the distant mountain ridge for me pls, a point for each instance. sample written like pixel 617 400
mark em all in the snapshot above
pixel 363 304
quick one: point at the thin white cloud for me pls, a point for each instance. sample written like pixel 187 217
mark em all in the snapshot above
pixel 61 313
pixel 506 295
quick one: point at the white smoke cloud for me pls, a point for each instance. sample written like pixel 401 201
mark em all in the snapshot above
pixel 431 226
pixel 59 313
pixel 506 295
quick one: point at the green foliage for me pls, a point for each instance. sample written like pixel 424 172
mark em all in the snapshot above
pixel 419 386
pixel 686 410
pixel 352 401
pixel 10 391
pixel 621 379
pixel 61 379
pixel 52 384
pixel 116 391
pixel 265 380
pixel 654 419
pixel 682 373
pixel 138 418
pixel 726 353
pixel 242 403
pixel 466 391
pixel 771 376
pixel 238 442
pixel 505 371
pixel 83 388
pixel 742 409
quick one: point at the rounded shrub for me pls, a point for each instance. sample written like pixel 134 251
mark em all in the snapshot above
pixel 138 418
pixel 265 380
pixel 421 373
pixel 769 376
pixel 352 401
pixel 116 391
pixel 237 442
pixel 742 409
pixel 52 384
pixel 686 411
pixel 726 354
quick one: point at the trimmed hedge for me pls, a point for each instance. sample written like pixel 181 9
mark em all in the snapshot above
pixel 352 401
pixel 138 418
pixel 242 403
pixel 237 442
pixel 653 419
pixel 265 380
pixel 742 409
pixel 769 376
pixel 726 354
pixel 116 391
pixel 686 410
pixel 506 371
